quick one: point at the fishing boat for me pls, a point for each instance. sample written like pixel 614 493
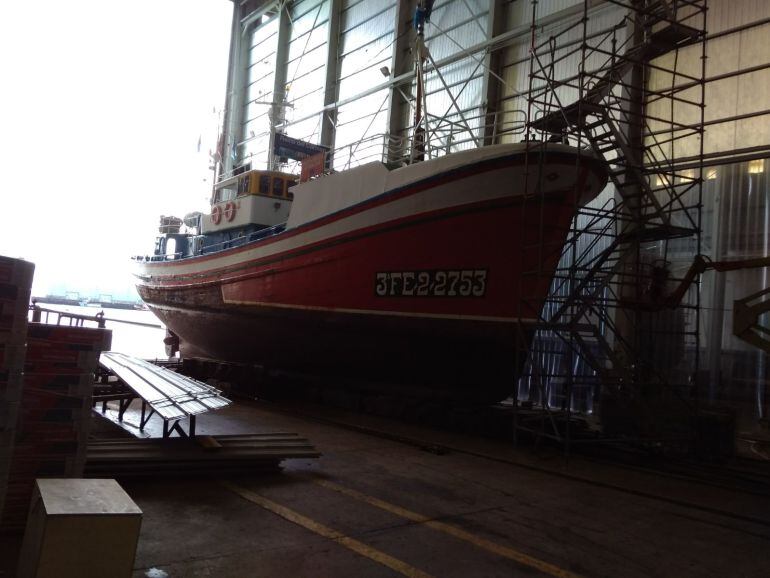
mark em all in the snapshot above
pixel 424 278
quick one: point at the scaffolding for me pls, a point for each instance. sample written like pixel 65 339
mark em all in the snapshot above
pixel 613 354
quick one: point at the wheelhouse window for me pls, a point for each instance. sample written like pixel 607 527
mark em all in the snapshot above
pixel 264 185
pixel 244 185
pixel 226 194
pixel 170 248
pixel 278 184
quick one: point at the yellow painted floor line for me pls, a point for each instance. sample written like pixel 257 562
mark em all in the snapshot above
pixel 493 547
pixel 359 547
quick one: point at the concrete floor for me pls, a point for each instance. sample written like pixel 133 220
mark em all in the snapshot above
pixel 375 507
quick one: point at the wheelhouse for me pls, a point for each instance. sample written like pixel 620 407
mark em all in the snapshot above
pixel 262 183
pixel 244 207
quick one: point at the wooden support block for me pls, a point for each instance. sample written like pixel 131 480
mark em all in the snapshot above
pixel 208 442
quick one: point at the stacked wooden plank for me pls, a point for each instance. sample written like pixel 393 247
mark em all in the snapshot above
pixel 15 286
pixel 188 457
pixel 54 411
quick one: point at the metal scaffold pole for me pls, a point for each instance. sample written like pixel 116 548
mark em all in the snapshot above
pixel 610 355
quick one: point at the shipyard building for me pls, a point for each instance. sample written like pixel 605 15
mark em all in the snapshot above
pixel 482 291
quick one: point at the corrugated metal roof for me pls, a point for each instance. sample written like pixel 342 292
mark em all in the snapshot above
pixel 170 394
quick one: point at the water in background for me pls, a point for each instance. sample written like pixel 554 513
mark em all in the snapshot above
pixel 144 342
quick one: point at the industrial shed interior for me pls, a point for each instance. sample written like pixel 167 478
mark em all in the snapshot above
pixel 688 117
pixel 631 437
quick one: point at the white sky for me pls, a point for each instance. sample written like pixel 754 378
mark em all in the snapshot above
pixel 101 108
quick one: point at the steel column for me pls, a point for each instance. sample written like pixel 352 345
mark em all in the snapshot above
pixel 236 85
pixel 492 60
pixel 332 82
pixel 279 85
pixel 399 96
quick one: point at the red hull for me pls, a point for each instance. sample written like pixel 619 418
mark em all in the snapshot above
pixel 440 299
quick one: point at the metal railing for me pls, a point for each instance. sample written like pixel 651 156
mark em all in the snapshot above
pixel 56 317
pixel 447 133
pixel 216 247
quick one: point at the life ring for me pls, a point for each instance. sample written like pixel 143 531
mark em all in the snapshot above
pixel 216 214
pixel 229 211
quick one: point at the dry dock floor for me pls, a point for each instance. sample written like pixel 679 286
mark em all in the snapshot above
pixel 373 506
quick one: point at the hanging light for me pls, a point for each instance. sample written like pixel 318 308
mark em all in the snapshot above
pixel 686 176
pixel 756 166
pixel 662 180
pixel 711 174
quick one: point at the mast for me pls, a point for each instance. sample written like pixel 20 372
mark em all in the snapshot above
pixel 421 16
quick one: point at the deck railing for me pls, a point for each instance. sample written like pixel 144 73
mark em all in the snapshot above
pixel 445 134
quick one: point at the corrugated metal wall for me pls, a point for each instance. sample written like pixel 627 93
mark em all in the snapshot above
pixel 455 26
pixel 260 79
pixel 562 63
pixel 306 67
pixel 728 96
pixel 521 12
pixel 366 45
pixel 736 196
pixel 736 226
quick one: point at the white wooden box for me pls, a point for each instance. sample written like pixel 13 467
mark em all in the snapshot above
pixel 79 527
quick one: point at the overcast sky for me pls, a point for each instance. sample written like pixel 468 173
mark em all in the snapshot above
pixel 101 108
